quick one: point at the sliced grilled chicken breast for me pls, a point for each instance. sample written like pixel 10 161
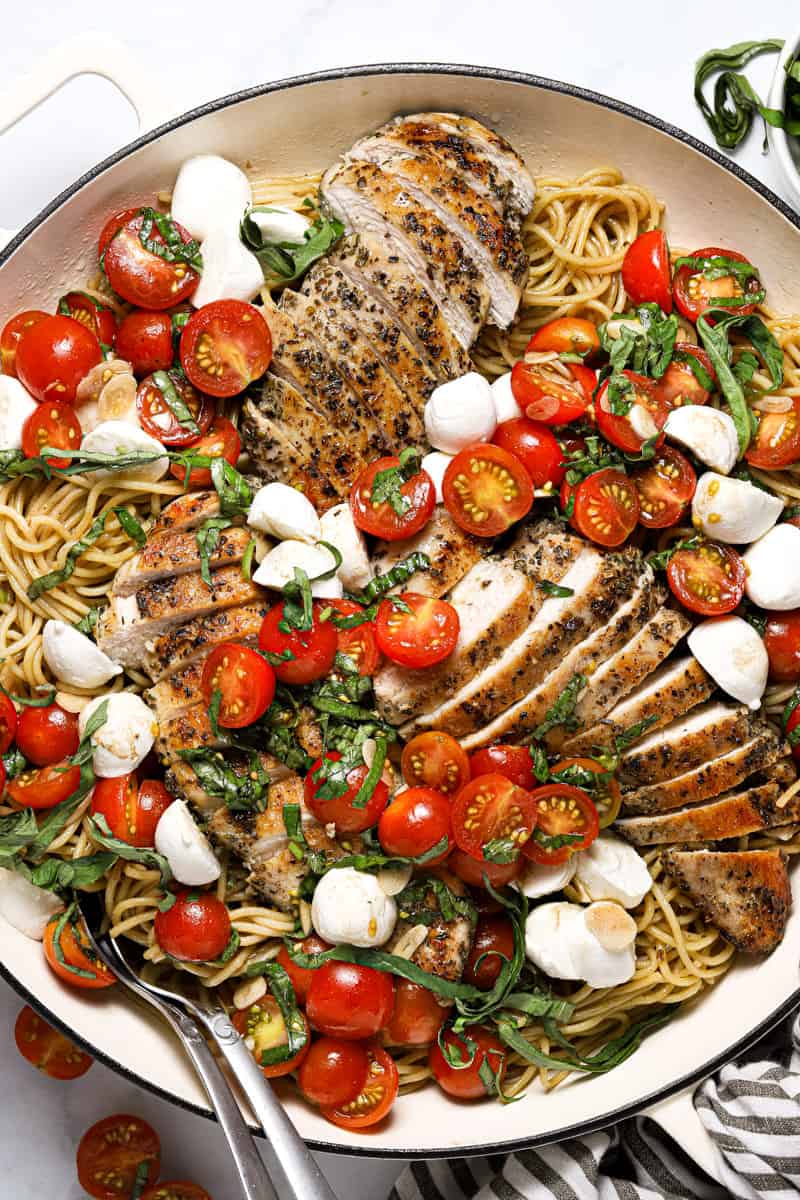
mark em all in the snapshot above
pixel 451 551
pixel 178 691
pixel 177 553
pixel 186 512
pixel 706 733
pixel 446 948
pixel 745 893
pixel 175 649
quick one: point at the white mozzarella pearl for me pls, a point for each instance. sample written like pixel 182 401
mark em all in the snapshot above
pixel 610 869
pixel 734 656
pixel 436 463
pixel 733 510
pixel 119 437
pixel 459 413
pixel 773 569
pixel 282 512
pixel 338 527
pixel 74 658
pixel 230 270
pixel 123 742
pixel 350 907
pixel 505 403
pixel 709 433
pixel 185 847
pixel 210 193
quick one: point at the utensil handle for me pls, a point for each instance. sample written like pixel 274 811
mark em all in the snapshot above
pixel 289 1161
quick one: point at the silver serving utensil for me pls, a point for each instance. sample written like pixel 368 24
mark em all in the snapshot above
pixel 291 1172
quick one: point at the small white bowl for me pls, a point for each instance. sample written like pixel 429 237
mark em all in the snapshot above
pixel 786 149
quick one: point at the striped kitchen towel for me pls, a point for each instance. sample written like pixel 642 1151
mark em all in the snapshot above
pixel 751 1110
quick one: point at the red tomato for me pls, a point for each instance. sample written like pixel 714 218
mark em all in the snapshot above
pixel 777 439
pixel 618 429
pixel 110 1155
pixel 782 640
pixel 646 270
pixel 486 489
pixel 334 1071
pixel 132 809
pixel 473 870
pixel 493 942
pixel 435 760
pixel 415 822
pixel 8 722
pixel 492 809
pixel 465 1082
pixel 143 277
pixel 158 419
pixel 263 1024
pixel 175 1190
pixel 55 425
pixel 301 976
pixel 113 225
pixel 46 735
pixel 606 507
pixel 348 1001
pixel 144 339
pixel 536 448
pixel 54 355
pixel 420 637
pixel 545 396
pixel 340 808
pixel 70 954
pixel 376 1096
pixel 47 1049
pixel 221 441
pixel 605 791
pixel 245 681
pixel 665 487
pixel 46 787
pixel 790 730
pixel 98 318
pixel 313 650
pixel 359 643
pixel 708 580
pixel 679 384
pixel 566 335
pixel 196 928
pixel 418 497
pixel 225 346
pixel 513 762
pixel 417 1016
pixel 694 294
pixel 562 812
pixel 12 332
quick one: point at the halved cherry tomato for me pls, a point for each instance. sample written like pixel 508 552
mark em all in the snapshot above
pixel 262 1024
pixel 195 928
pixel 178 1189
pixel 301 977
pixel 142 277
pixel 545 396
pixel 414 823
pixel 8 722
pixel 603 788
pixel 566 821
pixel 566 335
pixel 221 441
pixel 349 1001
pixel 493 942
pixel 472 871
pixel 113 225
pixel 98 318
pixel 340 809
pixel 486 489
pixel 334 1071
pixel 144 339
pixel 111 1153
pixel 51 424
pixel 708 580
pixel 790 729
pixel 46 787
pixel 617 428
pixel 536 448
pixel 435 760
pixel 465 1081
pixel 53 356
pixel 782 640
pixel 359 643
pixel 513 762
pixel 46 735
pixel 379 517
pixel 646 270
pixel 777 439
pixel 492 809
pixel 689 378
pixel 312 650
pixel 245 681
pixel 606 507
pixel 376 1097
pixel 47 1049
pixel 665 487
pixel 132 809
pixel 12 332
pixel 417 1016
pixel 415 630
pixel 70 954
pixel 225 346
pixel 157 418
pixel 694 294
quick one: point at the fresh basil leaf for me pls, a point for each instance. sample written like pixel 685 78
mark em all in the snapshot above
pixel 232 948
pixel 555 841
pixel 247 559
pixel 130 525
pixel 400 573
pixel 207 538
pixel 17 831
pixel 58 874
pixel 611 1055
pixel 280 985
pixel 286 262
pixel 387 486
pixel 170 246
pixel 735 101
pixel 245 792
pixel 500 850
pixel 562 711
pixel 235 494
pixel 87 624
pixel 165 383
pixel 44 583
pixel 660 560
pixel 14 762
pixel 715 339
pixel 100 833
pixel 27 702
pixel 554 589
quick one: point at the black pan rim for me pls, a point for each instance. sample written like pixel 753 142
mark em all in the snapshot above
pixel 791 1002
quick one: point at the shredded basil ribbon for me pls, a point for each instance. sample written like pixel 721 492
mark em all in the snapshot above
pixel 286 262
pixel 100 832
pixel 715 338
pixel 175 402
pixel 280 985
pixel 735 102
pixel 171 246
pixel 611 1055
pixel 70 917
pixel 26 702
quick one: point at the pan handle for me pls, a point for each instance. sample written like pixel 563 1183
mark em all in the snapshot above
pixel 678 1117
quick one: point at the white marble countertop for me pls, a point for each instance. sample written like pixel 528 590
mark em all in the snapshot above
pixel 641 55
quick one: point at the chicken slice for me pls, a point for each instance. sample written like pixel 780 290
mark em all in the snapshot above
pixel 708 732
pixel 177 648
pixel 451 551
pixel 446 948
pixel 172 695
pixel 745 893
pixel 170 554
pixel 186 512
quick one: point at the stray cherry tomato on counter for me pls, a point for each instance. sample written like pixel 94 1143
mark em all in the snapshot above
pixel 546 396
pixel 111 1153
pixel 381 489
pixel 312 650
pixel 646 270
pixel 566 335
pixel 435 760
pixel 340 809
pixel 301 977
pixel 486 489
pixel 144 339
pixel 782 640
pixel 349 1001
pixel 225 346
pixel 70 954
pixel 708 579
pixel 46 787
pixel 221 441
pixel 489 811
pixel 245 682
pixel 665 487
pixel 415 630
pixel 535 446
pixel 54 355
pixel 98 318
pixel 566 821
pixel 47 1049
pixel 140 275
pixel 416 821
pixel 334 1071
pixel 46 735
pixel 12 332
pixel 417 1016
pixel 262 1024
pixel 514 762
pixel 465 1081
pixel 55 425
pixel 196 927
pixel 376 1097
pixel 695 293
pixel 132 809
pixel 606 507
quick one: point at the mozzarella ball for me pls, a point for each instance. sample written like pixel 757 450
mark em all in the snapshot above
pixel 282 512
pixel 773 569
pixel 734 656
pixel 338 527
pixel 709 433
pixel 230 270
pixel 123 742
pixel 505 403
pixel 436 463
pixel 539 880
pixel 551 933
pixel 610 869
pixel 280 224
pixel 277 568
pixel 210 193
pixel 26 907
pixel 595 944
pixel 74 658
pixel 185 847
pixel 119 437
pixel 350 907
pixel 460 413
pixel 16 405
pixel 733 510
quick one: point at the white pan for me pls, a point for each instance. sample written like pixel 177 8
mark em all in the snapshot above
pixel 300 125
